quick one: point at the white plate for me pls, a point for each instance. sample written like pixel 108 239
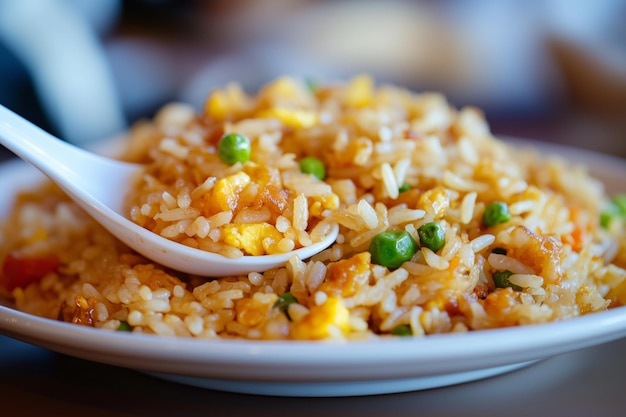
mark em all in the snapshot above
pixel 324 369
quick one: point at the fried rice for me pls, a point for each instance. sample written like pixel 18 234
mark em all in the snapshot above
pixel 394 160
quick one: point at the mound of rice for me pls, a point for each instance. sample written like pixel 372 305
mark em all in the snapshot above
pixel 394 160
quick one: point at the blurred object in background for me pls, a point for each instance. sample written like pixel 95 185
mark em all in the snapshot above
pixel 552 70
pixel 486 53
pixel 587 43
pixel 57 44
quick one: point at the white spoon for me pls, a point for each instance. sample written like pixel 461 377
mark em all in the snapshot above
pixel 99 185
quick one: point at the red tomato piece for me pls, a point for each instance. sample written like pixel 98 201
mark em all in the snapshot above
pixel 20 272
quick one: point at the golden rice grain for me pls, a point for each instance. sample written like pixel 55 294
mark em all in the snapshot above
pixel 482 242
pixel 526 280
pixel 200 227
pixel 171 147
pixel 389 180
pixel 300 213
pixel 203 188
pixel 467 207
pixel 174 117
pixel 400 170
pixel 135 318
pixel 503 262
pixel 368 214
pixel 433 260
pixel 178 291
pixel 400 215
pixel 169 200
pixel 177 214
pixel 297 312
pixel 194 324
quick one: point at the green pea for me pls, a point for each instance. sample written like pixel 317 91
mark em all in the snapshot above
pixel 313 166
pixel 312 84
pixel 607 216
pixel 402 330
pixel 404 187
pixel 233 148
pixel 124 327
pixel 501 280
pixel 619 201
pixel 496 213
pixel 615 210
pixel 431 236
pixel 284 301
pixel 392 248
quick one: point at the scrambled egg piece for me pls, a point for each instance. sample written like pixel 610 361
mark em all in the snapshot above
pixel 225 102
pixel 347 276
pixel 323 321
pixel 254 238
pixel 299 119
pixel 225 192
pixel 283 87
pixel 360 91
pixel 435 201
pixel 330 202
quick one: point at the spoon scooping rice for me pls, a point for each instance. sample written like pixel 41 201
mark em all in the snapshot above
pixel 99 185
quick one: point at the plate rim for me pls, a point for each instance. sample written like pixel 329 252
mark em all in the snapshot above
pixel 405 357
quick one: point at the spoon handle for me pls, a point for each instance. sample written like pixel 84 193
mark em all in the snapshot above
pixel 49 154
pixel 71 167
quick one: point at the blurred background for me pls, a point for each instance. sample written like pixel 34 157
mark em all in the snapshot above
pixel 553 70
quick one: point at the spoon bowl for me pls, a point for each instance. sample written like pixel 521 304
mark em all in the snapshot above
pixel 99 185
